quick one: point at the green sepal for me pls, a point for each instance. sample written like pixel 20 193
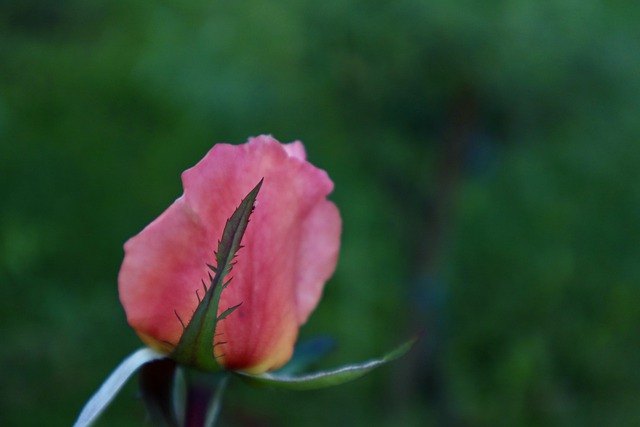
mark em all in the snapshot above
pixel 112 385
pixel 329 378
pixel 195 348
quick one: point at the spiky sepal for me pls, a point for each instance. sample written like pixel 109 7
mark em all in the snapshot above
pixel 196 345
pixel 322 379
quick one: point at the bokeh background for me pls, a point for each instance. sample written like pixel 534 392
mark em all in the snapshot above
pixel 486 159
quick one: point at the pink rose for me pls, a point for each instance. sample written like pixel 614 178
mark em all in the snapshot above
pixel 290 250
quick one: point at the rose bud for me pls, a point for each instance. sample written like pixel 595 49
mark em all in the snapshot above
pixel 290 249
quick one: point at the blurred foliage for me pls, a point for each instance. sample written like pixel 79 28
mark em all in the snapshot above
pixel 485 156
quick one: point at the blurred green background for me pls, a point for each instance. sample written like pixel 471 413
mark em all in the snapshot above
pixel 486 159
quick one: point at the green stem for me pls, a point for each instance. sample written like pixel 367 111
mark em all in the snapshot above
pixel 204 398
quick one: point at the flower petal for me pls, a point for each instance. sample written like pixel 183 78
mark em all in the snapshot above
pixel 161 273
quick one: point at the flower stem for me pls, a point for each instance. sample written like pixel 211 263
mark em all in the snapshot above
pixel 204 398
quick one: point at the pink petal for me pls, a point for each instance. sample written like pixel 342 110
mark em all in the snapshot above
pixel 296 149
pixel 161 272
pixel 317 257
